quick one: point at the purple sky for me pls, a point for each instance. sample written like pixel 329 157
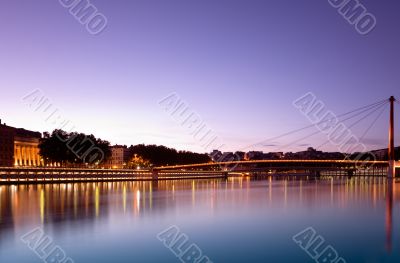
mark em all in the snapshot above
pixel 238 64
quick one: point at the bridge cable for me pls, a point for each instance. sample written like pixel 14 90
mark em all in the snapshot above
pixel 372 124
pixel 313 125
pixel 369 112
pixel 315 133
pixel 367 130
pixel 366 108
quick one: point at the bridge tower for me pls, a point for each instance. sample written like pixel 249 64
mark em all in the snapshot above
pixel 392 168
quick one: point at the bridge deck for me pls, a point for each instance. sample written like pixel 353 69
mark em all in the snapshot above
pixel 282 163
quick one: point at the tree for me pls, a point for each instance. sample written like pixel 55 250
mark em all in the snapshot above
pixel 138 162
pixel 161 155
pixel 73 148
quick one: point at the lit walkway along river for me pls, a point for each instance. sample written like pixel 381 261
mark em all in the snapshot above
pixel 234 220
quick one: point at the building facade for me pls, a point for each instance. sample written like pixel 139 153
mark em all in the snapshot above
pixel 19 147
pixel 26 148
pixel 6 145
pixel 119 156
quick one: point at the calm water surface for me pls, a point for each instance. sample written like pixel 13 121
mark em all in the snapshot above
pixel 239 220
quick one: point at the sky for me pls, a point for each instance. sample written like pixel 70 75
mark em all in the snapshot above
pixel 238 65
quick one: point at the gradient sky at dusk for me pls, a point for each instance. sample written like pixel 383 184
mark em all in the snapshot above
pixel 238 64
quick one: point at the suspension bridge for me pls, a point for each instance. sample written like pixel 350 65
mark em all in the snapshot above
pixel 362 164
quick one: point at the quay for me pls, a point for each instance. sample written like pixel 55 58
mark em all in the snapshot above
pixel 13 175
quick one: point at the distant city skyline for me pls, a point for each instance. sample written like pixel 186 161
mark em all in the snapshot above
pixel 238 64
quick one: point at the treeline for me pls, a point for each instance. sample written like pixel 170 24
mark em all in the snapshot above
pixel 161 155
pixel 79 149
pixel 73 148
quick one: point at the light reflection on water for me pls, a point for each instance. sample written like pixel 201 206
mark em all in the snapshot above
pixel 239 220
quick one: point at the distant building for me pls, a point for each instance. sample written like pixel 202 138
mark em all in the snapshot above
pixel 228 157
pixel 259 155
pixel 383 154
pixel 312 154
pixel 333 156
pixel 218 156
pixel 239 156
pixel 19 147
pixel 254 155
pixel 119 157
pixel 273 156
pixel 215 155
pixel 289 156
pixel 6 145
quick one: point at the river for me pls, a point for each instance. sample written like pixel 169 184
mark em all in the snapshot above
pixel 273 219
